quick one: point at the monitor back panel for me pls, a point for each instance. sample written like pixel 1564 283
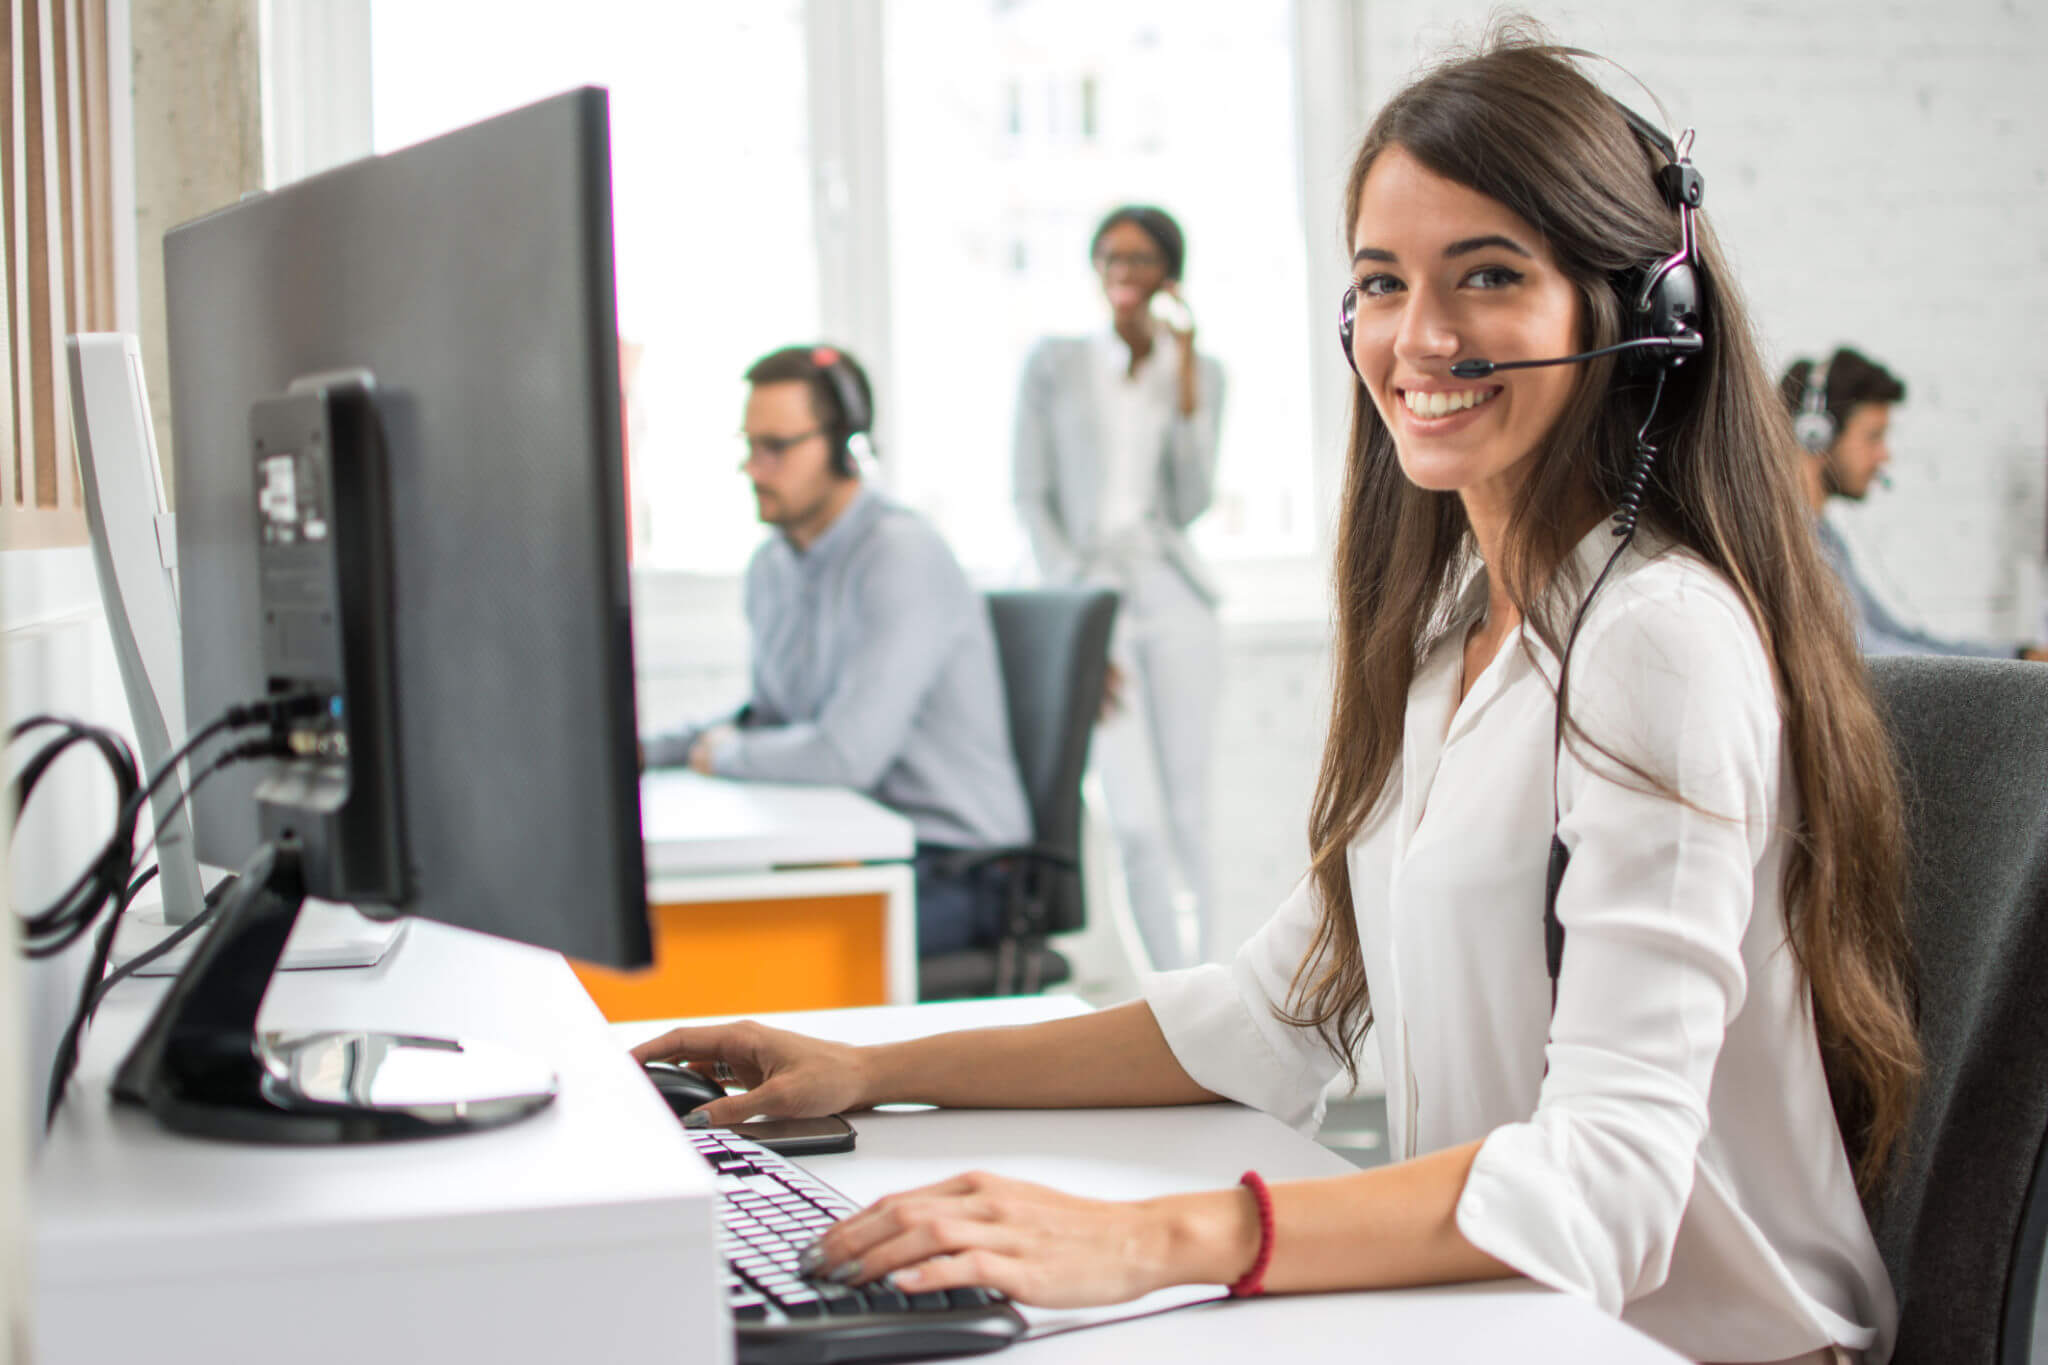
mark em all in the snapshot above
pixel 472 276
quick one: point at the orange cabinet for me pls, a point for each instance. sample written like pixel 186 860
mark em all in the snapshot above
pixel 753 956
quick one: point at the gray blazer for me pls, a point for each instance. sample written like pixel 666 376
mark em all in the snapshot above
pixel 1056 469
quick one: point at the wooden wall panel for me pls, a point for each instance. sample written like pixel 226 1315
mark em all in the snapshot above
pixel 56 237
pixel 11 457
pixel 13 207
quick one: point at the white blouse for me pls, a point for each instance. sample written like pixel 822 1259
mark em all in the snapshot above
pixel 1679 1163
pixel 1136 411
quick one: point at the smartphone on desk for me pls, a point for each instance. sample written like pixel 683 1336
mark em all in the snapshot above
pixel 800 1137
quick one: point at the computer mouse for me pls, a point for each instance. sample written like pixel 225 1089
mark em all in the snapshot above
pixel 681 1087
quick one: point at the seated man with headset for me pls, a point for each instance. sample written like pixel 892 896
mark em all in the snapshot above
pixel 1841 413
pixel 874 666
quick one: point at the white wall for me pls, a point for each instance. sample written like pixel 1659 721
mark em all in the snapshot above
pixel 14 1130
pixel 58 657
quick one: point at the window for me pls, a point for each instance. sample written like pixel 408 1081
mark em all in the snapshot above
pixel 1011 129
pixel 994 135
pixel 712 228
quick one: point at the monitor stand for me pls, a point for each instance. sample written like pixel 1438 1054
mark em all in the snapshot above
pixel 202 1068
pixel 328 934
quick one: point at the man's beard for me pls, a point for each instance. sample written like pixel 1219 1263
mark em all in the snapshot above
pixel 765 509
pixel 1832 482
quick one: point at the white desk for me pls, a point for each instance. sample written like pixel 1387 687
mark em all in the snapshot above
pixel 710 839
pixel 696 826
pixel 1139 1153
pixel 586 1233
pixel 582 1234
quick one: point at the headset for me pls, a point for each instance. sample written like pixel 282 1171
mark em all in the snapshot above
pixel 1660 299
pixel 856 411
pixel 1814 426
pixel 1661 311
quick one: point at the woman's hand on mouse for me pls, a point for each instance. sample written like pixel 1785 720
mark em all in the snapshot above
pixel 786 1075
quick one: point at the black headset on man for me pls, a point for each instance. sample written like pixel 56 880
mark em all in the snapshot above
pixel 1814 426
pixel 854 419
pixel 1661 312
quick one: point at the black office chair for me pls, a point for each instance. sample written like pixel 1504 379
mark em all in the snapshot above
pixel 1962 1221
pixel 1054 649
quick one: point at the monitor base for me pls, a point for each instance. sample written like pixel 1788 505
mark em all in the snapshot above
pixel 201 1067
pixel 328 934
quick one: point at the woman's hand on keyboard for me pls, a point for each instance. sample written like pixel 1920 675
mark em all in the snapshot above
pixel 784 1075
pixel 1039 1245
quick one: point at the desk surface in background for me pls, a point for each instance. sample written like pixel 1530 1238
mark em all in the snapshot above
pixel 1140 1153
pixel 833 861
pixel 693 824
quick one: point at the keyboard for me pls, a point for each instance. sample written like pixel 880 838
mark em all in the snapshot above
pixel 770 1210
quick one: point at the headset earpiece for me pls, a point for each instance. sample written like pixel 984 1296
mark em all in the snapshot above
pixel 1663 297
pixel 1662 300
pixel 1814 426
pixel 1347 321
pixel 850 391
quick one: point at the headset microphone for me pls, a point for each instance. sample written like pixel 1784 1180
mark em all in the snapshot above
pixel 1683 344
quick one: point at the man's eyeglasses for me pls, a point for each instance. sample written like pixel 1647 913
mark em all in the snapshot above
pixel 775 447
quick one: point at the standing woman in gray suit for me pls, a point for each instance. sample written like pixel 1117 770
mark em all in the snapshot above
pixel 1115 456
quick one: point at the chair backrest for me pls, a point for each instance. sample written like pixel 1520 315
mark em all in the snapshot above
pixel 1962 1220
pixel 1054 647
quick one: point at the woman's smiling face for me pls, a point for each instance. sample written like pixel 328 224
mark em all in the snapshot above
pixel 1443 274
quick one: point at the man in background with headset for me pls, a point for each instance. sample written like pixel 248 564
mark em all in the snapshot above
pixel 1841 413
pixel 874 666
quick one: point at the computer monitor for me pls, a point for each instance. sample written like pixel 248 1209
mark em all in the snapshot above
pixel 134 549
pixel 134 552
pixel 395 408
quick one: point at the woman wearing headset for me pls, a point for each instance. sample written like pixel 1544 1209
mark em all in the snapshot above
pixel 1675 1126
pixel 1115 455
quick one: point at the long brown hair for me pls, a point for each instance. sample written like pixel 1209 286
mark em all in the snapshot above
pixel 1520 123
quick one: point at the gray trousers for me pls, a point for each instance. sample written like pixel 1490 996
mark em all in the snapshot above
pixel 1154 755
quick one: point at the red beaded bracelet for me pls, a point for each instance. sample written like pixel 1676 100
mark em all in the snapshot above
pixel 1253 1281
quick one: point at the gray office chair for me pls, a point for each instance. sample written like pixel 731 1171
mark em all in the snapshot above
pixel 1054 648
pixel 1962 1221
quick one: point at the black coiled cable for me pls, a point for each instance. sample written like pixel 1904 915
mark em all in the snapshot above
pixel 1628 507
pixel 110 878
pixel 96 981
pixel 52 929
pixel 1630 504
